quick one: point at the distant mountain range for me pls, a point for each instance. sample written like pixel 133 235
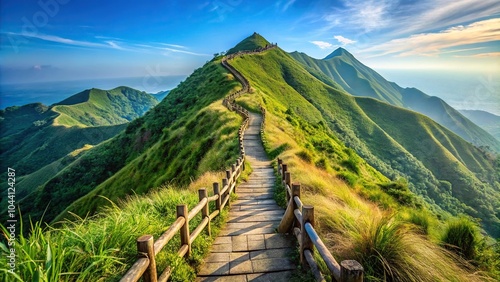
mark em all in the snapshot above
pixel 486 120
pixel 39 141
pixel 359 80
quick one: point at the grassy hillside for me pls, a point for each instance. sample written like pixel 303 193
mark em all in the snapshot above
pixel 359 80
pixel 439 165
pixel 487 121
pixel 174 142
pixel 96 107
pixel 361 213
pixel 251 43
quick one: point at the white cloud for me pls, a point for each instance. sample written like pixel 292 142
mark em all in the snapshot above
pixel 322 44
pixel 435 14
pixel 174 46
pixel 288 4
pixel 344 41
pixel 433 44
pixel 486 55
pixel 361 14
pixel 184 52
pixel 114 45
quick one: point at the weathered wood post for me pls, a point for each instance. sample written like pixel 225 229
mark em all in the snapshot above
pixel 145 248
pixel 351 271
pixel 285 169
pixel 306 244
pixel 182 211
pixel 228 176
pixel 219 200
pixel 205 212
pixel 288 182
pixel 225 182
pixel 295 192
pixel 233 171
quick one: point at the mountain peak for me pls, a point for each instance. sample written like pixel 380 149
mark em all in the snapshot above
pixel 339 52
pixel 250 43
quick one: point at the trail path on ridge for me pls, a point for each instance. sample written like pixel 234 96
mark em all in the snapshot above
pixel 248 248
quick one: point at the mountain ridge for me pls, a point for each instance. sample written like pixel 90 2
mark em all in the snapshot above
pixel 359 80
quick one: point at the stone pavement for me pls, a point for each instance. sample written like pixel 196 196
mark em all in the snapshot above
pixel 248 247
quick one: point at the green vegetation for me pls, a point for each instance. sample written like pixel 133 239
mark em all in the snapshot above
pixel 461 236
pixel 96 107
pixel 251 43
pixel 353 170
pixel 102 247
pixel 359 80
pixel 396 142
pixel 187 134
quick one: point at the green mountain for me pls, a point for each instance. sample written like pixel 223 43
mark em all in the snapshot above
pixel 359 80
pixel 251 43
pixel 39 141
pixel 487 121
pixel 443 168
pixel 185 135
pixel 96 107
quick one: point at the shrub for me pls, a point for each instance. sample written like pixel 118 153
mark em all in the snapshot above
pixel 349 177
pixel 305 156
pixel 461 236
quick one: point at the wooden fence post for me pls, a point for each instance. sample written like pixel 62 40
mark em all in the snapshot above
pixel 205 212
pixel 295 192
pixel 228 176
pixel 285 169
pixel 351 271
pixel 225 182
pixel 182 210
pixel 145 248
pixel 219 200
pixel 288 182
pixel 306 244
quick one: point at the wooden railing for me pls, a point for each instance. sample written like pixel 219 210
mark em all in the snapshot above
pixel 299 220
pixel 147 248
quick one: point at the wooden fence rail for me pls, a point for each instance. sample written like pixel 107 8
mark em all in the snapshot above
pixel 147 248
pixel 299 220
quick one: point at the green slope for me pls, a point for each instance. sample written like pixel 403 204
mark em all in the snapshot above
pixel 439 165
pixel 487 121
pixel 187 134
pixel 359 80
pixel 38 140
pixel 250 43
pixel 96 107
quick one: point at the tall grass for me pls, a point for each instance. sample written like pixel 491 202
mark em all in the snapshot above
pixel 461 236
pixel 102 247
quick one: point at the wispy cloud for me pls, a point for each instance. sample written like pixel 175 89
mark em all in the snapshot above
pixel 360 14
pixel 174 45
pixel 58 39
pixel 433 44
pixel 116 43
pixel 185 52
pixel 402 18
pixel 322 44
pixel 344 41
pixel 484 55
pixel 288 4
pixel 437 14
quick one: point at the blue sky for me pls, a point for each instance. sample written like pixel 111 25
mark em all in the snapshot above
pixel 72 39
